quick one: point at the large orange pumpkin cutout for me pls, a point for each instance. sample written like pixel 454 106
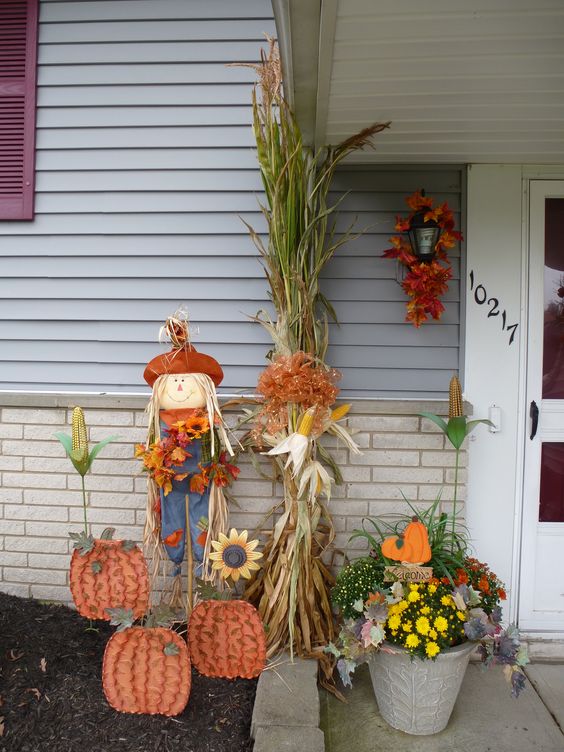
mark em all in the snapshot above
pixel 417 537
pixel 110 574
pixel 227 639
pixel 147 670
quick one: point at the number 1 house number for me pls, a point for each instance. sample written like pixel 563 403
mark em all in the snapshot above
pixel 481 298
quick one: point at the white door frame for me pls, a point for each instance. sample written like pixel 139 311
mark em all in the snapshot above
pixel 529 174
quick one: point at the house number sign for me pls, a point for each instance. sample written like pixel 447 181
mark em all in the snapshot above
pixel 482 298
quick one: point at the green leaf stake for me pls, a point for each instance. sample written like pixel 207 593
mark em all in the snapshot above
pixel 76 447
pixel 456 430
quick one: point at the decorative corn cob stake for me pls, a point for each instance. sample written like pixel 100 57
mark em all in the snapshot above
pixel 80 452
pixel 76 447
pixel 454 398
pixel 456 431
pixel 455 411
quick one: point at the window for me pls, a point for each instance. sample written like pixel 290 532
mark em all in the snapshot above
pixel 18 63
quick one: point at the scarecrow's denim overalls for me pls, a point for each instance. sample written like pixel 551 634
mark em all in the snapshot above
pixel 173 505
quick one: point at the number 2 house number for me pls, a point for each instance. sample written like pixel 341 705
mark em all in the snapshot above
pixel 481 298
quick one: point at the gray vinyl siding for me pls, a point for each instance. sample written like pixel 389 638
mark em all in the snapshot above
pixel 379 353
pixel 145 168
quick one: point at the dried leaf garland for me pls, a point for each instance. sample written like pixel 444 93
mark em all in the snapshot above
pixel 425 281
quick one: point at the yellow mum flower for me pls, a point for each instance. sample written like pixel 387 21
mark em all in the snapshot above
pixel 414 586
pixel 422 625
pixel 432 649
pixel 433 634
pixel 394 621
pixel 446 600
pixel 432 588
pixel 402 605
pixel 235 556
pixel 411 641
pixel 425 610
pixel 440 624
pixel 406 626
pixel 413 596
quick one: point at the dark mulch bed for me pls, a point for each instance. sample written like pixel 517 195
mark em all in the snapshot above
pixel 63 708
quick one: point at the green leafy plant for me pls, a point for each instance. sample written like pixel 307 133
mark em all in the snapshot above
pixel 76 447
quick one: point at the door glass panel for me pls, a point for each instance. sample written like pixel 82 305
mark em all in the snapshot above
pixel 551 508
pixel 553 345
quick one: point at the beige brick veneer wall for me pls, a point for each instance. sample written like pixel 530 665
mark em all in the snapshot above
pixel 40 498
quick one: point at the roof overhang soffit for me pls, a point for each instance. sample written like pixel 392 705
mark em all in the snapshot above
pixel 306 30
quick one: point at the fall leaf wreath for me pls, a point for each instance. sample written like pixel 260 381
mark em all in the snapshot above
pixel 425 281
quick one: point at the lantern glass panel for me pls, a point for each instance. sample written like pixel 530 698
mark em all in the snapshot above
pixel 423 240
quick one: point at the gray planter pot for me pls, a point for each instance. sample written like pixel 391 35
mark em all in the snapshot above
pixel 418 696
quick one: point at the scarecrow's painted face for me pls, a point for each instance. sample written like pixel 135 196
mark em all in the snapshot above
pixel 181 390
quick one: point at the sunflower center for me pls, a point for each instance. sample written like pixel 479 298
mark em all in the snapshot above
pixel 234 556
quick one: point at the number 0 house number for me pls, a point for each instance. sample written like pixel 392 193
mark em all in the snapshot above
pixel 481 298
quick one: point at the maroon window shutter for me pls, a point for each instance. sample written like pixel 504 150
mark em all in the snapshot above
pixel 18 63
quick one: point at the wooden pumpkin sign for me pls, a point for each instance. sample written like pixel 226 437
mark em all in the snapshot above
pixel 411 548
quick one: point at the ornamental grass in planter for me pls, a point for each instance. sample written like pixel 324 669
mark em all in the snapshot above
pixel 418 636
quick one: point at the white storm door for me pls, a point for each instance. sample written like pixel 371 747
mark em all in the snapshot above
pixel 541 598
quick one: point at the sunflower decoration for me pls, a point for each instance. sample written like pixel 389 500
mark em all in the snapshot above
pixel 235 557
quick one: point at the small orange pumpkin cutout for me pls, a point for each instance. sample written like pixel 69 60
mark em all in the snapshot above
pixel 396 548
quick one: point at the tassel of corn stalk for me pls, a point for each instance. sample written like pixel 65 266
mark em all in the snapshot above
pixel 454 398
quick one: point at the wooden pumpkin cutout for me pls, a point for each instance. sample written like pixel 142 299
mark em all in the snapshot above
pixel 412 546
pixel 396 548
pixel 417 537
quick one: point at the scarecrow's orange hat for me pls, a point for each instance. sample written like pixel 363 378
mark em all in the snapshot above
pixel 183 358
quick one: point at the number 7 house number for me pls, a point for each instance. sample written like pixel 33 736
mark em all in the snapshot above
pixel 481 298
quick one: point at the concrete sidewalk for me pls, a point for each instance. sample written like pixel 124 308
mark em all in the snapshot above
pixel 485 719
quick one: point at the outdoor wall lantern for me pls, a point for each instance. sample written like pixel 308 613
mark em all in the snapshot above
pixel 423 234
pixel 423 267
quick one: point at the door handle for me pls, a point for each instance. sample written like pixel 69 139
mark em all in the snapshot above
pixel 534 415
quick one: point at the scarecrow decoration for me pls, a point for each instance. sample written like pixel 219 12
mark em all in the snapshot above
pixel 186 457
